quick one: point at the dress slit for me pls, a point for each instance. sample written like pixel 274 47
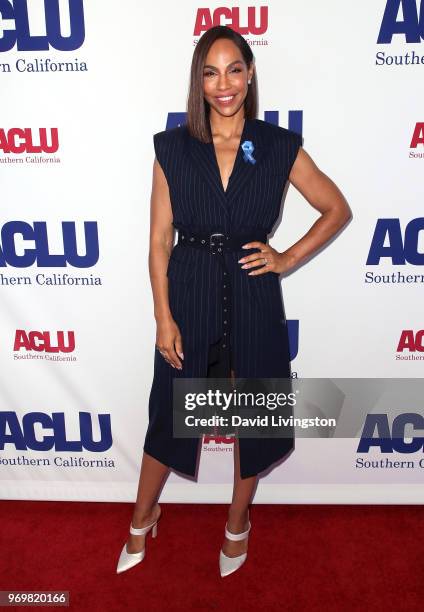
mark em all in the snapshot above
pixel 220 363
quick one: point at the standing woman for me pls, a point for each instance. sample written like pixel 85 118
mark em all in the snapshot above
pixel 219 181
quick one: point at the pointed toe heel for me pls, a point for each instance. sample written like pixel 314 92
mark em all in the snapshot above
pixel 229 565
pixel 128 560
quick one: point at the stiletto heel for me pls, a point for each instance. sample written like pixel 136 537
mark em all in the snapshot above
pixel 128 560
pixel 228 565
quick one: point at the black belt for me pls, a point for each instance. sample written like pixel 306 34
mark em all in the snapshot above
pixel 219 243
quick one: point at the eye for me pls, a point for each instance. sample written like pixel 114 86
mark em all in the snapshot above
pixel 208 73
pixel 236 70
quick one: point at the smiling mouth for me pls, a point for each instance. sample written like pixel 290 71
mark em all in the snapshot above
pixel 225 99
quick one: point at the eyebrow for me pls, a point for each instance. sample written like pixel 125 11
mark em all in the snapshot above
pixel 215 68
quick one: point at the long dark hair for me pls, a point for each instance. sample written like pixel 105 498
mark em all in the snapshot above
pixel 198 108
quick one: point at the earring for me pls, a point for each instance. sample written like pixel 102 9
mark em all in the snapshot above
pixel 249 81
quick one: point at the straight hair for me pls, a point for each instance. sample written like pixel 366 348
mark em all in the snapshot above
pixel 198 109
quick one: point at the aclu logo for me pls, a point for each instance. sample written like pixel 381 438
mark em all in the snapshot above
pixel 247 21
pixel 27 140
pixel 295 119
pixel 411 341
pixel 39 431
pixel 417 142
pixel 404 20
pixel 410 345
pixel 410 25
pixel 208 438
pixel 17 25
pixel 254 20
pixel 401 247
pixel 396 247
pixel 377 433
pixel 15 252
pixel 44 342
pixel 293 336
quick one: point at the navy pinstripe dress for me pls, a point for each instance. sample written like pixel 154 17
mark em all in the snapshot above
pixel 257 331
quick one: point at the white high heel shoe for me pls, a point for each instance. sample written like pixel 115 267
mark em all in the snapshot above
pixel 228 565
pixel 128 560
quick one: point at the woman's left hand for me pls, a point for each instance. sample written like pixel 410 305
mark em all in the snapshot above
pixel 270 259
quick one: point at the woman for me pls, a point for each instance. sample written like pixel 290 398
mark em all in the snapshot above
pixel 219 180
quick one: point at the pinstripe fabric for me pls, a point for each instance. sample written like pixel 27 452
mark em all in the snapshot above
pixel 258 330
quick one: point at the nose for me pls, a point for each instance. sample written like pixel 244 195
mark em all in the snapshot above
pixel 223 81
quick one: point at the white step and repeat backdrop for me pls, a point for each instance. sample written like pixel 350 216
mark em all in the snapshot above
pixel 84 85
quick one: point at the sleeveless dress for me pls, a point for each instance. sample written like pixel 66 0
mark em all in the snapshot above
pixel 256 331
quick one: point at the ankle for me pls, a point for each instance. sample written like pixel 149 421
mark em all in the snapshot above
pixel 143 516
pixel 238 521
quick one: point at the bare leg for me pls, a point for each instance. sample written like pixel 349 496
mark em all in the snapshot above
pixel 238 513
pixel 146 509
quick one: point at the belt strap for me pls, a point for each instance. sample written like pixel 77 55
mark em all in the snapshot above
pixel 218 242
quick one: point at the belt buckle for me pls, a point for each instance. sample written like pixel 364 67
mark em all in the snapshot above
pixel 213 244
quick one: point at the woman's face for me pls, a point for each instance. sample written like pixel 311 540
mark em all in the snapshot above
pixel 225 77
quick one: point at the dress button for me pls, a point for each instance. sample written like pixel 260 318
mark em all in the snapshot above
pixel 225 322
pixel 225 297
pixel 224 345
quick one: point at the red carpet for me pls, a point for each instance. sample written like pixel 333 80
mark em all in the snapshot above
pixel 302 558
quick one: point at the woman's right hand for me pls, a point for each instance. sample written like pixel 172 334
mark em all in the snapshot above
pixel 169 342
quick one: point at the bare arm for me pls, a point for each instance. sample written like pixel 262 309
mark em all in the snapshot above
pixel 161 239
pixel 324 195
pixel 168 337
pixel 321 193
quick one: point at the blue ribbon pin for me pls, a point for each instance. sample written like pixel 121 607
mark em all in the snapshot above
pixel 248 149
